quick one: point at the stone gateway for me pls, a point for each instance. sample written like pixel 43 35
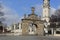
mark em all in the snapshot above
pixel 32 24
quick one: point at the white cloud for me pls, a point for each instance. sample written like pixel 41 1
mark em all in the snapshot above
pixel 52 11
pixel 10 15
pixel 58 7
pixel 39 10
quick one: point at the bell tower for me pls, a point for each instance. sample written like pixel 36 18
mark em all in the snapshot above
pixel 46 10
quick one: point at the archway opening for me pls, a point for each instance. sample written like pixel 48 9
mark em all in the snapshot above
pixel 32 28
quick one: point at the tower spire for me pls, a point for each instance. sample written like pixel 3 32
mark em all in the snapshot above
pixel 32 9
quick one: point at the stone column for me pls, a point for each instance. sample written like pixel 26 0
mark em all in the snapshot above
pixel 20 26
pixel 40 29
pixel 25 28
pixel 20 29
pixel 52 31
pixel 14 27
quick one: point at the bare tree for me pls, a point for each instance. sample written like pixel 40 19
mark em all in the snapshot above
pixel 55 20
pixel 1 19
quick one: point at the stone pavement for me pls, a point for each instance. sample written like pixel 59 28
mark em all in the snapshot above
pixel 29 38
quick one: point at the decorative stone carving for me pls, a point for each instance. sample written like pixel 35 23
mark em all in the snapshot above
pixel 36 27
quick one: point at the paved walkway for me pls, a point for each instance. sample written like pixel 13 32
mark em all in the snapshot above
pixel 28 38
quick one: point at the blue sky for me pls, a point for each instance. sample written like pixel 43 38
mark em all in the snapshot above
pixel 24 6
pixel 20 5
